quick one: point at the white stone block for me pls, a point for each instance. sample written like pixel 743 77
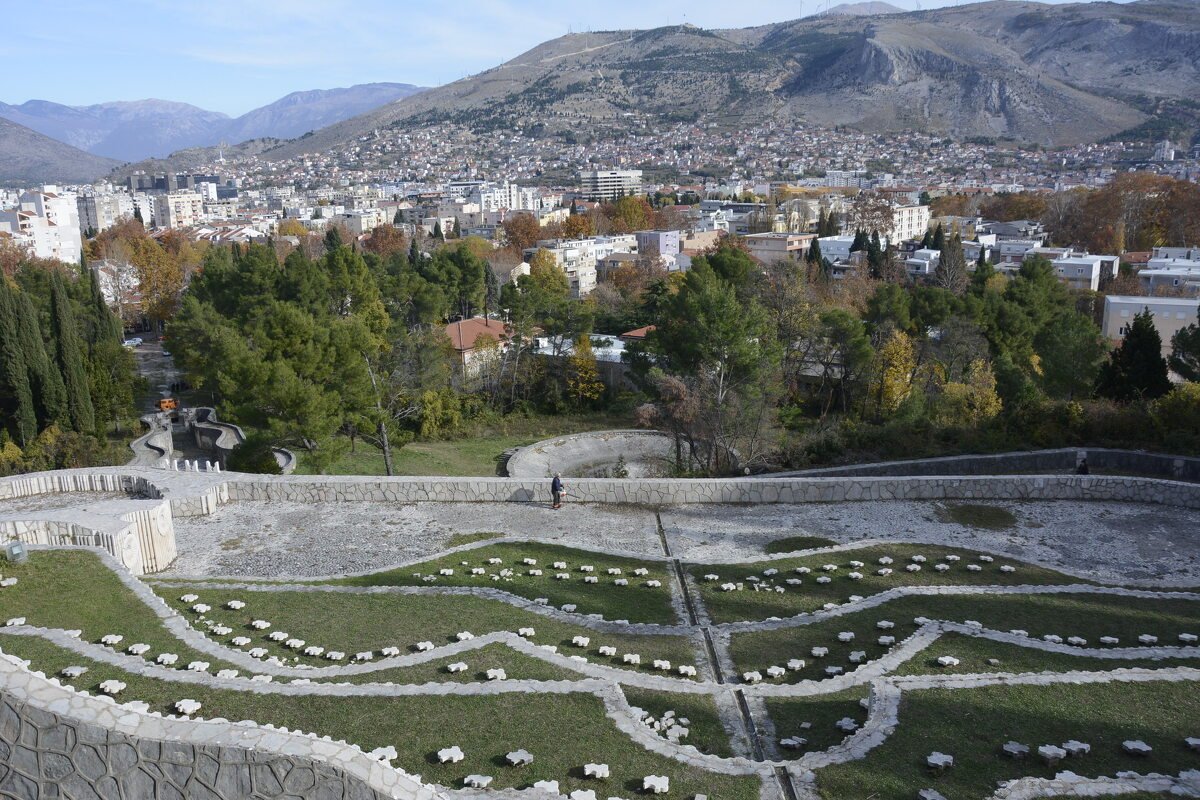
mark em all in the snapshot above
pixel 450 755
pixel 112 687
pixel 457 666
pixel 598 771
pixel 477 781
pixel 662 664
pixel 260 624
pixel 581 641
pixel 753 676
pixel 631 658
pixel 496 674
pixel 795 664
pixel 656 784
pixel 464 636
pixel 227 674
pixel 187 707
pixel 137 649
pixel 846 725
pixel 167 659
pixel 776 672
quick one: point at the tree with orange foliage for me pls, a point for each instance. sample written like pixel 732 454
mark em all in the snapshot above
pixel 629 214
pixel 384 241
pixel 522 231
pixel 578 226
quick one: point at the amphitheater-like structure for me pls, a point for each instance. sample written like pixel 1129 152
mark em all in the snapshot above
pixel 944 633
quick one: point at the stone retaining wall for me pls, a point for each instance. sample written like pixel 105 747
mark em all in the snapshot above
pixel 91 747
pixel 645 453
pixel 1028 462
pixel 666 492
pixel 155 447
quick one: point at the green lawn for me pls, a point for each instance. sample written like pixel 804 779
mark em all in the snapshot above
pixel 975 656
pixel 821 713
pixel 477 454
pixel 357 622
pixel 810 595
pixel 705 731
pixel 1089 616
pixel 562 731
pixel 72 589
pixel 973 724
pixel 635 602
pixel 791 544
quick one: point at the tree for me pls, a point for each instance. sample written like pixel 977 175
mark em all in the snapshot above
pixel 895 373
pixel 578 226
pixel 68 354
pixel 1185 352
pixel 137 214
pixel 522 231
pixel 1136 369
pixel 890 304
pixel 385 241
pixel 292 227
pixel 16 394
pixel 1070 350
pixel 583 376
pixel 730 262
pixel 971 402
pixel 939 238
pixel 951 273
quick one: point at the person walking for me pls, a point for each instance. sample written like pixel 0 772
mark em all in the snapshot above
pixel 556 490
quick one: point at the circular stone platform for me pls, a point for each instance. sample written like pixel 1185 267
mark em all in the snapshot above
pixel 598 454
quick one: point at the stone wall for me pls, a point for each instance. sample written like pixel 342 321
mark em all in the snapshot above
pixel 665 492
pixel 155 447
pixel 1030 462
pixel 87 747
pixel 220 438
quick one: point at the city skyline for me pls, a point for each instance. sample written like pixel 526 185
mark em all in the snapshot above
pixel 233 57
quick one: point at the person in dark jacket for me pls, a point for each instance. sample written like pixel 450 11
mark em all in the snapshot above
pixel 1082 469
pixel 556 490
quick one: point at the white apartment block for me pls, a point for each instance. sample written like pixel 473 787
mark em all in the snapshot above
pixel 610 184
pixel 98 212
pixel 1170 315
pixel 178 210
pixel 908 222
pixel 509 197
pixel 1085 271
pixel 46 222
pixel 923 263
pixel 363 220
pixel 579 258
pixel 1172 269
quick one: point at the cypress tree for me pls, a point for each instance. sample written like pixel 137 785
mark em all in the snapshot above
pixel 414 252
pixel 821 223
pixel 939 238
pixel 16 395
pixel 68 353
pixel 437 229
pixel 49 394
pixel 927 239
pixel 1136 370
pixel 137 214
pixel 982 261
pixel 814 253
pixel 860 241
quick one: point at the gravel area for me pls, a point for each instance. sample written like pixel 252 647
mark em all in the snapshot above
pixel 1105 541
pixel 293 540
pixel 75 501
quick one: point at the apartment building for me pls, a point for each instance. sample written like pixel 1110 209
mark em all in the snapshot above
pixel 598 185
pixel 1170 315
pixel 769 248
pixel 178 210
pixel 664 243
pixel 98 212
pixel 1082 271
pixel 580 258
pixel 1174 270
pixel 908 222
pixel 363 220
pixel 45 222
pixel 923 263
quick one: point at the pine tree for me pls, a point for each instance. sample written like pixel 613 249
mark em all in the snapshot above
pixel 951 272
pixel 68 352
pixel 821 223
pixel 16 395
pixel 437 229
pixel 333 239
pixel 1185 352
pixel 927 239
pixel 1136 370
pixel 939 238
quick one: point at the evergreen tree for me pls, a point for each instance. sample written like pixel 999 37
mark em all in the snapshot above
pixel 16 394
pixel 414 252
pixel 398 219
pixel 1136 370
pixel 834 224
pixel 137 214
pixel 939 238
pixel 927 239
pixel 333 239
pixel 951 272
pixel 822 222
pixel 814 253
pixel 1185 352
pixel 876 256
pixel 68 353
pixel 49 394
pixel 981 262
pixel 860 241
pixel 437 229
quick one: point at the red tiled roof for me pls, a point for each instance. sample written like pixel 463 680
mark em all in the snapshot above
pixel 466 333
pixel 637 333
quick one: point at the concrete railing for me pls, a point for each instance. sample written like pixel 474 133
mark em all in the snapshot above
pixel 1031 462
pixel 220 438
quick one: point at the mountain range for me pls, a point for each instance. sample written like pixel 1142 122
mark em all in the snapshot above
pixel 1030 72
pixel 134 130
pixel 1026 72
pixel 28 157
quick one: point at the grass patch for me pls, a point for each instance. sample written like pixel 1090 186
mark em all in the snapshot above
pixel 461 539
pixel 815 718
pixel 1089 616
pixel 973 724
pixel 72 589
pixel 477 453
pixel 562 731
pixel 975 655
pixel 635 602
pixel 791 544
pixel 705 731
pixel 812 596
pixel 357 622
pixel 977 515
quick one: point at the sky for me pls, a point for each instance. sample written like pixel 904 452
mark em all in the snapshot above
pixel 235 55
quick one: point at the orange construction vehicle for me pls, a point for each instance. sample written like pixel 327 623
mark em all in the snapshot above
pixel 168 404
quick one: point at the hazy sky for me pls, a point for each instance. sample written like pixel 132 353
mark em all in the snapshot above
pixel 232 56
